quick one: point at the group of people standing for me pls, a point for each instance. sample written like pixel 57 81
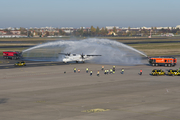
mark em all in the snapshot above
pixel 106 71
pixel 87 70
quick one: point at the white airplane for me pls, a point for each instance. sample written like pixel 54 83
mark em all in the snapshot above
pixel 76 57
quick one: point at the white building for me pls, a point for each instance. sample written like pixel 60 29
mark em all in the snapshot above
pixel 111 27
pixel 67 29
pixel 178 26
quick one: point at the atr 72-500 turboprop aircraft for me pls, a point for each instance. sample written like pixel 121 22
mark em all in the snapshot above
pixel 76 57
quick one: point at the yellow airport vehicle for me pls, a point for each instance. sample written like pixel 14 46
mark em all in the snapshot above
pixel 22 63
pixel 173 72
pixel 157 72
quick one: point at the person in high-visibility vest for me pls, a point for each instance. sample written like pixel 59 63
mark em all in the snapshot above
pixel 87 70
pixel 122 71
pixel 74 70
pixel 78 70
pixel 111 71
pixel 140 72
pixel 98 73
pixel 91 73
pixel 105 72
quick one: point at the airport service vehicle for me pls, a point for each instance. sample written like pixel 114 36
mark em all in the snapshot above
pixel 157 72
pixel 76 57
pixel 22 63
pixel 11 55
pixel 163 61
pixel 173 72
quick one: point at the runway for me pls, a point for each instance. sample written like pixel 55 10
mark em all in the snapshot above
pixel 46 93
pixel 8 64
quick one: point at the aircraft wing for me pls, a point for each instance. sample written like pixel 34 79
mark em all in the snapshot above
pixel 65 54
pixel 94 55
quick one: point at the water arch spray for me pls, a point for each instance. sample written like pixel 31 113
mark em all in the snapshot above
pixel 112 52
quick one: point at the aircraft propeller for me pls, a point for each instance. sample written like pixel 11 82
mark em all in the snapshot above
pixel 82 56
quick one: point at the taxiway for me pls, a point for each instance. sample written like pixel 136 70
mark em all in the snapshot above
pixel 46 93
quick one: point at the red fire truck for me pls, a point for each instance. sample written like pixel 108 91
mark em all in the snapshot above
pixel 163 61
pixel 11 55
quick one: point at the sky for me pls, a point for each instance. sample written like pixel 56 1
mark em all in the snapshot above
pixel 87 13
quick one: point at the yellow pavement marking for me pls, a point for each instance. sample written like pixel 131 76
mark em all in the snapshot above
pixel 95 110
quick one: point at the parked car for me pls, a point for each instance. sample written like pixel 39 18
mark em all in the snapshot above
pixel 173 72
pixel 22 63
pixel 157 72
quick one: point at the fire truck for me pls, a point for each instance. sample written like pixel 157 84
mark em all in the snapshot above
pixel 163 61
pixel 11 55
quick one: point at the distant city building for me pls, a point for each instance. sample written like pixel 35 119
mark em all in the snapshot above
pixel 178 26
pixel 112 33
pixel 111 27
pixel 82 28
pixel 147 28
pixel 9 28
pixel 67 30
pixel 2 32
pixel 158 28
pixel 16 32
pixel 137 28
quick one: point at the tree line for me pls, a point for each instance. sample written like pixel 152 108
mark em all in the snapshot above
pixel 92 31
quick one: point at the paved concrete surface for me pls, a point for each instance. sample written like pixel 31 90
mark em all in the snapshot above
pixel 46 93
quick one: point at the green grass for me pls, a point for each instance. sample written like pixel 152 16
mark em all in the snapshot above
pixel 33 39
pixel 42 52
pixel 16 44
pixel 141 39
pixel 124 39
pixel 156 46
pixel 155 49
